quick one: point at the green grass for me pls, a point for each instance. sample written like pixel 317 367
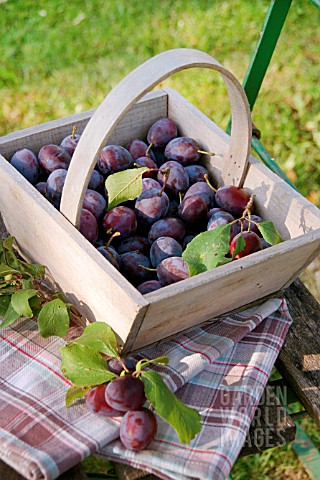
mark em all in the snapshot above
pixel 60 58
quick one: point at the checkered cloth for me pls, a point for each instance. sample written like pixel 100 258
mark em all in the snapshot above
pixel 220 369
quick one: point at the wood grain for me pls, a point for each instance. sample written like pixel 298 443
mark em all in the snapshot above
pixel 299 359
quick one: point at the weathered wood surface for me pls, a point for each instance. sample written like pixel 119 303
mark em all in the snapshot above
pixel 299 359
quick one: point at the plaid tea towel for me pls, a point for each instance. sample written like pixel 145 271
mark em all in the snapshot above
pixel 220 368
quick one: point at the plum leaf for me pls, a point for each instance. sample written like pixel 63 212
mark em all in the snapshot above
pixel 208 250
pixel 124 186
pixel 84 366
pixel 185 420
pixel 100 337
pixel 54 319
pixel 270 233
pixel 20 301
pixel 75 392
pixel 10 316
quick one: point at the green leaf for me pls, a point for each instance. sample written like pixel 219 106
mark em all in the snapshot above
pixel 270 233
pixel 32 268
pixel 35 305
pixel 4 304
pixel 125 185
pixel 100 337
pixel 54 319
pixel 10 316
pixel 143 363
pixel 26 283
pixel 84 366
pixel 8 243
pixel 208 249
pixel 185 420
pixel 5 270
pixel 241 243
pixel 75 392
pixel 20 301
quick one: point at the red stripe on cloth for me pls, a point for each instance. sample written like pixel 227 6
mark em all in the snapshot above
pixel 197 450
pixel 36 360
pixel 190 349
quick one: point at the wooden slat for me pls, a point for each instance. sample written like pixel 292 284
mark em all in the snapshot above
pixel 205 296
pixel 153 106
pixel 88 280
pixel 299 359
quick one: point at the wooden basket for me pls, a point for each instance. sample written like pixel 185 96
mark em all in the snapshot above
pixel 97 289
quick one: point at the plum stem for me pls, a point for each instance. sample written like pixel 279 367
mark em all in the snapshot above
pixel 113 235
pixel 73 132
pixel 166 173
pixel 206 177
pixel 211 154
pixel 148 268
pixel 148 149
pixel 125 368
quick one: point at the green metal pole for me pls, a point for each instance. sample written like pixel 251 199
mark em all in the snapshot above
pixel 260 60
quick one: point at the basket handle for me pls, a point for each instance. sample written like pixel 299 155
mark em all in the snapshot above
pixel 119 101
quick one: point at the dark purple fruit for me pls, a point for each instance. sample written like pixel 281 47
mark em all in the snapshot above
pixel 148 183
pixel 96 402
pixel 196 173
pixel 150 206
pixel 96 181
pixel 149 286
pixel 164 247
pixel 70 142
pixel 138 149
pixel 111 255
pixel 55 184
pixel 120 219
pixel 114 158
pixel 94 202
pixel 133 244
pixel 149 163
pixel 42 188
pixel 133 266
pixel 184 150
pixel 51 157
pixel 167 227
pixel 161 132
pixel 233 199
pixel 88 226
pixel 193 211
pixel 125 393
pixel 219 218
pixel 253 244
pixel 27 164
pixel 172 270
pixel 138 428
pixel 178 180
pixel 249 225
pixel 202 189
pixel 115 366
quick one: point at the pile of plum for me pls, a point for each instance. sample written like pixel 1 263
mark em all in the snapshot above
pixel 124 397
pixel 150 233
